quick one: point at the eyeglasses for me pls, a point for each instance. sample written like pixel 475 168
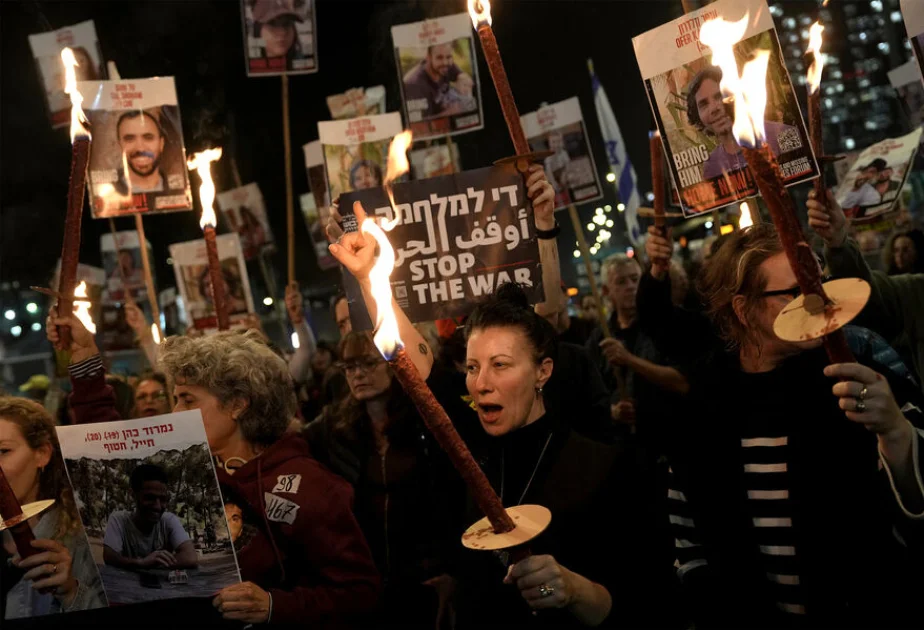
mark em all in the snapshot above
pixel 354 365
pixel 792 292
pixel 152 397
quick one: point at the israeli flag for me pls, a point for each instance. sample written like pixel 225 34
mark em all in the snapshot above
pixel 626 185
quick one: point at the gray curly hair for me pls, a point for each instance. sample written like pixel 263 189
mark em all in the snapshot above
pixel 234 366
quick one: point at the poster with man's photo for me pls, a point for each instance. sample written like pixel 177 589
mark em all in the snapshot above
pixel 46 49
pixel 191 266
pixel 244 212
pixel 683 85
pixel 439 76
pixel 138 157
pixel 357 102
pixel 873 184
pixel 280 37
pixel 457 239
pixel 150 502
pixel 356 151
pixel 316 220
pixel 435 160
pixel 559 128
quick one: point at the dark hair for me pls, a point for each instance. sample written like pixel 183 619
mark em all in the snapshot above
pixel 372 166
pixel 508 307
pixel 888 252
pixel 147 472
pixel 709 72
pixel 124 395
pixel 135 113
pixel 157 377
pixel 879 164
pixel 327 346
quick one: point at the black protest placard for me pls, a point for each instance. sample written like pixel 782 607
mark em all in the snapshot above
pixel 457 238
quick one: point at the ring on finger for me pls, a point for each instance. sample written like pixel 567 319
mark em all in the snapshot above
pixel 863 393
pixel 54 569
pixel 546 590
pixel 861 406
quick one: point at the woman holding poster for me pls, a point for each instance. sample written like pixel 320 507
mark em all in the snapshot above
pixel 63 577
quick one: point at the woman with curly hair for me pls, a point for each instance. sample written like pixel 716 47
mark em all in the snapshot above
pixel 63 576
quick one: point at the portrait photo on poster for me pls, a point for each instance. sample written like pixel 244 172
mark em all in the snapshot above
pixel 244 212
pixel 435 160
pixel 315 221
pixel 570 169
pixel 356 151
pixel 138 157
pixel 280 37
pixel 124 269
pixel 151 505
pixel 46 49
pixel 683 86
pixel 438 74
pixel 357 102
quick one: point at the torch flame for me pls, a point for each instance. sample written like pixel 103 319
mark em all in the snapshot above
pixel 480 11
pixel 748 90
pixel 82 307
pixel 397 166
pixel 745 220
pixel 155 333
pixel 201 163
pixel 78 118
pixel 818 61
pixel 386 338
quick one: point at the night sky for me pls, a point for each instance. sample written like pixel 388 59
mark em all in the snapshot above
pixel 545 45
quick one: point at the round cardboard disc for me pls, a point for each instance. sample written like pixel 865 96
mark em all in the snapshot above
pixel 848 297
pixel 28 511
pixel 530 520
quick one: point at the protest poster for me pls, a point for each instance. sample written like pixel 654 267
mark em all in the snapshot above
pixel 316 220
pixel 910 89
pixel 138 158
pixel 440 92
pixel 357 102
pixel 457 238
pixel 244 212
pixel 46 49
pixel 280 37
pixel 317 177
pixel 439 159
pixel 913 14
pixel 124 269
pixel 571 170
pixel 706 163
pixel 356 151
pixel 156 471
pixel 191 266
pixel 870 191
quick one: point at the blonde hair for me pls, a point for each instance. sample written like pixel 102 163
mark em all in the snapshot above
pixel 234 366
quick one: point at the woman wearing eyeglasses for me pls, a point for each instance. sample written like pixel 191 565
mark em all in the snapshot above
pixel 404 493
pixel 151 398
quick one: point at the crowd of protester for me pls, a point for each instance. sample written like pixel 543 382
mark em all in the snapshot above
pixel 700 471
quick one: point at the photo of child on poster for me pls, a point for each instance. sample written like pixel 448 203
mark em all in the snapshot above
pixel 439 76
pixel 150 502
pixel 138 158
pixel 559 128
pixel 279 37
pixel 245 213
pixel 356 151
pixel 695 122
pixel 46 49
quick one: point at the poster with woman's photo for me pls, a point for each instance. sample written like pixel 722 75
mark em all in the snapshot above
pixel 356 151
pixel 436 160
pixel 191 266
pixel 150 502
pixel 123 266
pixel 280 37
pixel 683 85
pixel 138 157
pixel 559 128
pixel 46 49
pixel 439 76
pixel 357 102
pixel 244 212
pixel 873 184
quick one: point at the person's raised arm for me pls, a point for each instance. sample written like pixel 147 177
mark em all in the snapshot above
pixel 300 363
pixel 356 252
pixel 542 194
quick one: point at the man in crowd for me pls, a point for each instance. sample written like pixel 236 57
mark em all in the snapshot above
pixel 149 537
pixel 141 139
pixel 437 86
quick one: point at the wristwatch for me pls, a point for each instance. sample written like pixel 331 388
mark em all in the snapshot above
pixel 549 234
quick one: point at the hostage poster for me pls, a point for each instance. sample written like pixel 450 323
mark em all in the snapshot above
pixel 191 266
pixel 872 186
pixel 357 102
pixel 457 238
pixel 356 151
pixel 124 278
pixel 280 37
pixel 149 499
pixel 138 158
pixel 438 74
pixel 695 122
pixel 559 128
pixel 439 159
pixel 244 212
pixel 46 49
pixel 913 14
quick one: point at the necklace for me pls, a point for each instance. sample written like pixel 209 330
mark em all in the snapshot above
pixel 531 477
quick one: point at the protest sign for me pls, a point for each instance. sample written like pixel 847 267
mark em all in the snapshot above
pixel 316 220
pixel 191 266
pixel 113 466
pixel 438 74
pixel 356 151
pixel 46 49
pixel 913 14
pixel 123 266
pixel 317 177
pixel 357 102
pixel 457 238
pixel 280 37
pixel 244 212
pixel 440 159
pixel 695 122
pixel 138 158
pixel 559 128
